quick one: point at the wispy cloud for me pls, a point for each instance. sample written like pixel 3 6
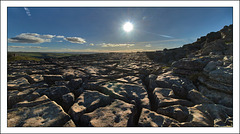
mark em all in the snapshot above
pixel 28 38
pixel 166 36
pixel 148 45
pixel 116 45
pixel 27 11
pixel 78 40
pixel 91 44
pixel 16 46
pixel 162 35
pixel 59 36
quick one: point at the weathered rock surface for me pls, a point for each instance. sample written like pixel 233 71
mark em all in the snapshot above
pixel 163 98
pixel 44 114
pixel 189 86
pixel 87 102
pixel 118 114
pixel 15 96
pixel 17 83
pixel 152 119
pixel 128 92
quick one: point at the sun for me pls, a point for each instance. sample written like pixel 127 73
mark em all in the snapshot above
pixel 127 27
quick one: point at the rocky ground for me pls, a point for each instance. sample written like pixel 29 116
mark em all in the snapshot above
pixel 191 87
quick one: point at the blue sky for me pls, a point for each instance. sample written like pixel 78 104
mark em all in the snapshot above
pixel 35 29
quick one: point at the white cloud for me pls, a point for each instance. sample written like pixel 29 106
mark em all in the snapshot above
pixel 59 36
pixel 75 40
pixel 16 46
pixel 27 11
pixel 148 45
pixel 91 44
pixel 59 41
pixel 29 34
pixel 36 47
pixel 116 45
pixel 47 36
pixel 28 38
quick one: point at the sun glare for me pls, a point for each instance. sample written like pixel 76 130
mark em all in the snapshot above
pixel 128 27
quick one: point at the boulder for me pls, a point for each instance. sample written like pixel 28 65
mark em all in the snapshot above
pixel 48 114
pixel 152 119
pixel 87 102
pixel 130 93
pixel 118 114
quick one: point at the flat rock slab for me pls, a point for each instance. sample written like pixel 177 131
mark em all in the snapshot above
pixel 87 102
pixel 163 98
pixel 152 119
pixel 180 85
pixel 131 79
pixel 15 84
pixel 127 92
pixel 15 96
pixel 177 112
pixel 48 114
pixel 93 84
pixel 32 103
pixel 199 118
pixel 118 114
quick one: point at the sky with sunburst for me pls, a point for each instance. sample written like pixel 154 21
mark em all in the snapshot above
pixel 106 29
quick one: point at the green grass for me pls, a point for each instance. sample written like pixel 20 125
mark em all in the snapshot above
pixel 19 57
pixel 36 56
